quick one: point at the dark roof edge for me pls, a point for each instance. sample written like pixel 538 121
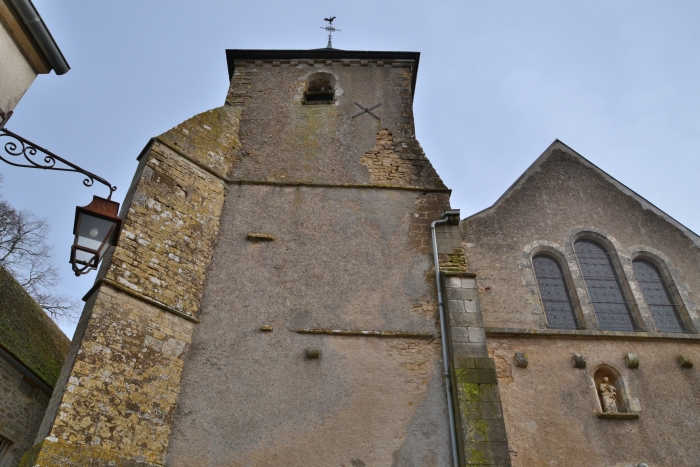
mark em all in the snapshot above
pixel 646 204
pixel 41 34
pixel 266 54
pixel 22 368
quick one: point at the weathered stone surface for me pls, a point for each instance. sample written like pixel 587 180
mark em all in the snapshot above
pixel 341 259
pixel 168 234
pixel 117 392
pixel 284 140
pixel 551 410
pixel 123 386
pixel 22 407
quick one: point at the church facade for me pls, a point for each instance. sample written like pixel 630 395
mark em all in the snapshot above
pixel 273 299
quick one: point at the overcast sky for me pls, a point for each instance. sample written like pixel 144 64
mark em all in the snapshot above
pixel 498 81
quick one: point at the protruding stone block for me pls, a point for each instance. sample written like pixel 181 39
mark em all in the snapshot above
pixel 313 354
pixel 579 360
pixel 521 359
pixel 685 362
pixel 632 360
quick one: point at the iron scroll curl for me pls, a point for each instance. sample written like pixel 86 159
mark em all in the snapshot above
pixel 22 148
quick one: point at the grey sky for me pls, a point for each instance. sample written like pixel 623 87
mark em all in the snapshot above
pixel 497 83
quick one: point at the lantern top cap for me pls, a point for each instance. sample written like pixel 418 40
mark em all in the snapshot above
pixel 99 207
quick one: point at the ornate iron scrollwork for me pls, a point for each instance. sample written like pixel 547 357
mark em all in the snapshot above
pixel 25 151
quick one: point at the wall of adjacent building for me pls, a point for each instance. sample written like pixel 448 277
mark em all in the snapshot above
pixel 551 408
pixel 22 406
pixel 16 74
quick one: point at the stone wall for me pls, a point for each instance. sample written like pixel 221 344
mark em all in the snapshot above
pixel 318 340
pixel 22 406
pixel 340 260
pixel 551 408
pixel 480 427
pixel 115 399
pixel 560 196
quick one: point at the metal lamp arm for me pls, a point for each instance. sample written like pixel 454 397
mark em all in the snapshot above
pixel 21 147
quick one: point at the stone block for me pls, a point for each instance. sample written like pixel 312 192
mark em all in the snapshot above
pixel 476 376
pixel 468 283
pixel 491 410
pixel 489 392
pixel 467 319
pixel 455 306
pixel 472 349
pixel 521 360
pixel 485 363
pixel 459 334
pixel 579 360
pixel 453 282
pixel 465 362
pixel 685 362
pixel 472 306
pixel 462 294
pixel 477 334
pixel 632 360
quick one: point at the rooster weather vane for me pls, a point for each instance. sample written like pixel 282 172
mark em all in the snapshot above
pixel 330 30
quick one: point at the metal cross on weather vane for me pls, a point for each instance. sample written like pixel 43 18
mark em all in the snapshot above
pixel 330 30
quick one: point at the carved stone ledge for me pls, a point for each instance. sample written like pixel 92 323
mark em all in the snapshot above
pixel 619 415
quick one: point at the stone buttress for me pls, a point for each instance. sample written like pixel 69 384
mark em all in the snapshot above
pixel 481 431
pixel 114 401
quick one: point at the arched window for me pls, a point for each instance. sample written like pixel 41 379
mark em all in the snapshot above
pixel 656 294
pixel 604 289
pixel 319 89
pixel 556 299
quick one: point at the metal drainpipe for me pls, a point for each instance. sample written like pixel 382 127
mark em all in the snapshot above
pixel 446 365
pixel 41 35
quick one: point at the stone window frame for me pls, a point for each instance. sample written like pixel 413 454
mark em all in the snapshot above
pixel 316 74
pixel 557 252
pixel 687 308
pixel 623 269
pixel 530 280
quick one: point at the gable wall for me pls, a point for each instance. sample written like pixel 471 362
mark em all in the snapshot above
pixel 551 408
pixel 561 196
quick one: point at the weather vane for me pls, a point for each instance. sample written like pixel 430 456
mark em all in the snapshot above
pixel 330 30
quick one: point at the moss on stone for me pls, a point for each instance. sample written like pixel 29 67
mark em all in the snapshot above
pixel 28 334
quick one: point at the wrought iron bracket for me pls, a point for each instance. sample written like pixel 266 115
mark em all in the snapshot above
pixel 24 150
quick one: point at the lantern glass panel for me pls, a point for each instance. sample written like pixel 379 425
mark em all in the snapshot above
pixel 93 233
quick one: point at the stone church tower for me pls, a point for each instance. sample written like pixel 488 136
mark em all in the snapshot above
pixel 272 299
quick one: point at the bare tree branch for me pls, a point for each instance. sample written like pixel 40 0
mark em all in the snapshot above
pixel 25 254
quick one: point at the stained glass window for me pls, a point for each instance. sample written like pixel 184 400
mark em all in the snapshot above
pixel 657 296
pixel 556 299
pixel 604 289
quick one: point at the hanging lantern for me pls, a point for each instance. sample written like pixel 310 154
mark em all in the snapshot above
pixel 96 227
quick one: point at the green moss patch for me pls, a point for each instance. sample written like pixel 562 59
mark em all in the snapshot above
pixel 28 334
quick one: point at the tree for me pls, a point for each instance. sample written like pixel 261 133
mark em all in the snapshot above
pixel 25 254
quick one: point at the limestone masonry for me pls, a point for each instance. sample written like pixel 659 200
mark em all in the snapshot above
pixel 272 299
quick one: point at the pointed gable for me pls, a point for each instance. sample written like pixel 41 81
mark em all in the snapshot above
pixel 560 196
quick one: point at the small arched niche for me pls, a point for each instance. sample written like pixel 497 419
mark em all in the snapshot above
pixel 319 89
pixel 613 394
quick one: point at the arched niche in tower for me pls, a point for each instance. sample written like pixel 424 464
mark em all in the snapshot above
pixel 319 88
